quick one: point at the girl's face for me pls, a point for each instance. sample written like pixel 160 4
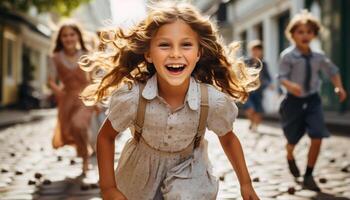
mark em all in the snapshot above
pixel 174 51
pixel 302 35
pixel 69 38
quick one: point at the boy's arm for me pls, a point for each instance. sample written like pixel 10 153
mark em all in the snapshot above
pixel 105 159
pixel 332 71
pixel 284 74
pixel 233 150
pixel 292 87
pixel 338 87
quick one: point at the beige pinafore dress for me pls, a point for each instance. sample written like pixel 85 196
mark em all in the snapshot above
pixel 160 161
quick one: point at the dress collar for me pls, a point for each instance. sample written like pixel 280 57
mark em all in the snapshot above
pixel 192 97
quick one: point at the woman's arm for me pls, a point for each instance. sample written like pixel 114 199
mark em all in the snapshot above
pixel 233 150
pixel 105 159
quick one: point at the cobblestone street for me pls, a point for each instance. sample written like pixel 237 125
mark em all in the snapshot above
pixel 31 169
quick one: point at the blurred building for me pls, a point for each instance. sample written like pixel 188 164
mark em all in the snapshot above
pixel 245 20
pixel 94 15
pixel 24 44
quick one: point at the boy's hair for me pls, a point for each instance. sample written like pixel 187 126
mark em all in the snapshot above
pixel 255 44
pixel 304 17
pixel 68 24
pixel 123 59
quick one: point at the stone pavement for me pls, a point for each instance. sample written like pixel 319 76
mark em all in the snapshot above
pixel 31 169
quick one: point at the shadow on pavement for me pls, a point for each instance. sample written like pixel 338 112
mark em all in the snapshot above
pixel 325 196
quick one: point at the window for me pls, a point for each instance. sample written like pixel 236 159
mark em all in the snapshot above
pixel 9 58
pixel 9 54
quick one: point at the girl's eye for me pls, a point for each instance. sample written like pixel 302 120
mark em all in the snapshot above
pixel 163 45
pixel 187 44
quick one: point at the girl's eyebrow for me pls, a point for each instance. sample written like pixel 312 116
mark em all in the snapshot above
pixel 169 39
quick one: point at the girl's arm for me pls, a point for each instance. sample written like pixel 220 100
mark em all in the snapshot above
pixel 105 159
pixel 234 153
pixel 52 77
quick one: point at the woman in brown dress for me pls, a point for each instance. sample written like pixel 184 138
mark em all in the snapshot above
pixel 73 117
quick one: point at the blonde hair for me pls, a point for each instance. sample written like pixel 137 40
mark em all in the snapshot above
pixel 304 17
pixel 122 59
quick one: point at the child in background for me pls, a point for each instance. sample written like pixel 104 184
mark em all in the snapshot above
pixel 253 108
pixel 301 110
pixel 74 117
pixel 169 78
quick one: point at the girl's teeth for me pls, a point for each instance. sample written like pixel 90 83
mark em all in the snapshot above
pixel 175 66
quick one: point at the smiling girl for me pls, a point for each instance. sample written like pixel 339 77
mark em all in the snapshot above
pixel 73 116
pixel 169 79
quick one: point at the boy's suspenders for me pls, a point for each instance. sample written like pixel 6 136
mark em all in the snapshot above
pixel 204 107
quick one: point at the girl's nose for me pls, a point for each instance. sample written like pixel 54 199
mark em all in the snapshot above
pixel 175 53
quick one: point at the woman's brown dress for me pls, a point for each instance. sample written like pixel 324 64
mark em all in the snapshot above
pixel 73 116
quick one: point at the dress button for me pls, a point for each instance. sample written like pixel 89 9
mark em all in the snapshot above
pixel 169 136
pixel 170 128
pixel 166 144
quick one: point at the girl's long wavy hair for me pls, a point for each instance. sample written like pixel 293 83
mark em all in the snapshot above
pixel 121 56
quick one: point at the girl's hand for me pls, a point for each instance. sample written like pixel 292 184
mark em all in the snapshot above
pixel 248 193
pixel 112 194
pixel 295 89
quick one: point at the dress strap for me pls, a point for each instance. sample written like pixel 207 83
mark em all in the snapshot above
pixel 203 115
pixel 140 116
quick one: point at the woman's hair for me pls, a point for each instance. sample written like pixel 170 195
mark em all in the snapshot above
pixel 68 24
pixel 122 58
pixel 304 17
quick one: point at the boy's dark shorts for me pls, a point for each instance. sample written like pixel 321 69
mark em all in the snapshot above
pixel 255 102
pixel 300 115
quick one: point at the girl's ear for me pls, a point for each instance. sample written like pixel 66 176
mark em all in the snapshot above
pixel 148 57
pixel 199 54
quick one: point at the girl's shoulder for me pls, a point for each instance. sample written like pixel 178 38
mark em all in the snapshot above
pixel 216 94
pixel 219 100
pixel 125 94
pixel 222 111
pixel 123 106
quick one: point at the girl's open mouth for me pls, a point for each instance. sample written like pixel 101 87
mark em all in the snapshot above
pixel 175 68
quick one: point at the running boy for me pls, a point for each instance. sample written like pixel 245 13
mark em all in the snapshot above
pixel 301 110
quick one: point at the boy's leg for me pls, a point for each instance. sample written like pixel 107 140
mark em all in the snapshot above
pixel 293 168
pixel 314 152
pixel 316 130
pixel 249 112
pixel 309 182
pixel 293 123
pixel 290 150
pixel 258 118
pixel 258 108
